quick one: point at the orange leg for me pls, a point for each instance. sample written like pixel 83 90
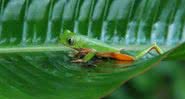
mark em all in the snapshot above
pixel 117 56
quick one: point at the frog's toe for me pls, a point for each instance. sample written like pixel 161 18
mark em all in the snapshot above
pixel 78 61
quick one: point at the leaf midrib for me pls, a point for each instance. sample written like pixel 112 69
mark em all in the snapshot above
pixel 35 49
pixel 63 48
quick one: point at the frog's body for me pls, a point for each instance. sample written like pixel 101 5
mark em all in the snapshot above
pixel 91 47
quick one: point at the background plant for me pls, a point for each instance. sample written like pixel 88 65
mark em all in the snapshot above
pixel 33 64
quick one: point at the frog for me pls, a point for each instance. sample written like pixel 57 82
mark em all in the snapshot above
pixel 88 48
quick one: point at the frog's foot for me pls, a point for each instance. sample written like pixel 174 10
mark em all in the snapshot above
pixel 78 61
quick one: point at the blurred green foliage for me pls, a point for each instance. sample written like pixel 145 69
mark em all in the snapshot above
pixel 125 22
pixel 165 81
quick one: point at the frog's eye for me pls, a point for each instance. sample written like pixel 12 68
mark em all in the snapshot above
pixel 70 41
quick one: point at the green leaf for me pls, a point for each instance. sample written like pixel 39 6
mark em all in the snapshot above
pixel 33 64
pixel 48 73
pixel 178 53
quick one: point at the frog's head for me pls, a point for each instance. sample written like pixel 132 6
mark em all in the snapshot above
pixel 67 38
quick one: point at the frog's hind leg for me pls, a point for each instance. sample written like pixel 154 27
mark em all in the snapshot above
pixel 115 55
pixel 153 47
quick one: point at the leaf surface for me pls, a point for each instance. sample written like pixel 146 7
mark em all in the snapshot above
pixel 33 64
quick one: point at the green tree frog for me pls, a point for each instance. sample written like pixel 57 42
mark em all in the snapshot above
pixel 89 48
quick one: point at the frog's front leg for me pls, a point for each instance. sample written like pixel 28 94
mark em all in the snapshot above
pixel 154 46
pixel 89 56
pixel 84 55
pixel 82 52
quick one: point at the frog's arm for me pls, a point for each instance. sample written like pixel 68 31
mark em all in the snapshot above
pixel 154 46
pixel 89 56
pixel 86 53
pixel 86 58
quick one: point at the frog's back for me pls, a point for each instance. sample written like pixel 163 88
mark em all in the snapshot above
pixel 98 45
